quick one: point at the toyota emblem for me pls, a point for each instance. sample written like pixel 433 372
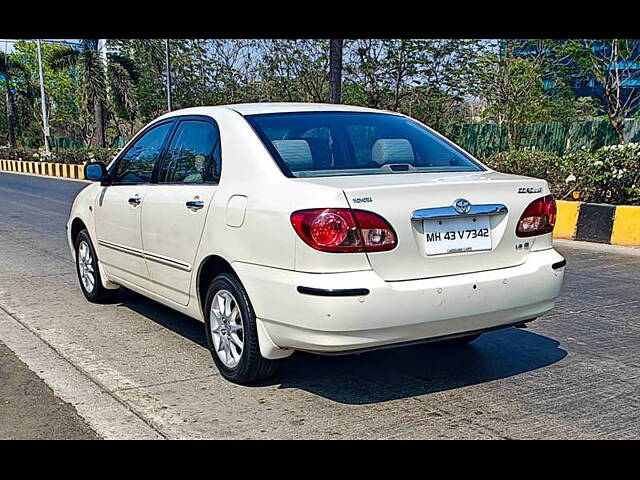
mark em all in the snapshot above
pixel 462 206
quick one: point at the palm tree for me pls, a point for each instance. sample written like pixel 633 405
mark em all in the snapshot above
pixel 10 70
pixel 117 79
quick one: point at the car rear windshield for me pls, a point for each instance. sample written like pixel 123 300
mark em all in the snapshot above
pixel 323 144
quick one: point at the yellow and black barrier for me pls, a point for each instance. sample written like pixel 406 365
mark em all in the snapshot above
pixel 47 169
pixel 598 222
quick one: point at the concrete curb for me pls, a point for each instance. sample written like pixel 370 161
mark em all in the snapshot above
pixel 45 169
pixel 598 222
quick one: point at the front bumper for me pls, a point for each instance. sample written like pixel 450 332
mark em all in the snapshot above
pixel 396 312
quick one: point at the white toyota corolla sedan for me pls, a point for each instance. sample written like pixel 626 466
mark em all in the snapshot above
pixel 324 228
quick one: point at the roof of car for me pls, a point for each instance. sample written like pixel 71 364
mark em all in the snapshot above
pixel 257 108
pixel 280 107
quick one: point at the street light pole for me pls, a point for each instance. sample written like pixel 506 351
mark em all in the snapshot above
pixel 168 73
pixel 45 120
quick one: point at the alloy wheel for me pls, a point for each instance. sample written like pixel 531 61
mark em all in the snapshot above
pixel 227 329
pixel 85 267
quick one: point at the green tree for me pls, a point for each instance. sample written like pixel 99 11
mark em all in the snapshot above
pixel 236 68
pixel 15 79
pixel 426 78
pixel 294 70
pixel 365 72
pixel 513 90
pixel 149 92
pixel 118 78
pixel 612 63
pixel 444 80
pixel 204 72
pixel 553 60
pixel 62 95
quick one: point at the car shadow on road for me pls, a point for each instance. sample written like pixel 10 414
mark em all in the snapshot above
pixel 391 374
pixel 188 327
pixel 384 375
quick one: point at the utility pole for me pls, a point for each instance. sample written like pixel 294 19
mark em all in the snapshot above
pixel 168 73
pixel 45 120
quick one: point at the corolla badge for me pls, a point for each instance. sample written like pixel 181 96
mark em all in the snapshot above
pixel 462 206
pixel 529 189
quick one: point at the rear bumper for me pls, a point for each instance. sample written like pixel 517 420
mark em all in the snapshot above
pixel 396 312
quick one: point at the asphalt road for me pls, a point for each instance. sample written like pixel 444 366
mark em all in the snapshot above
pixel 137 369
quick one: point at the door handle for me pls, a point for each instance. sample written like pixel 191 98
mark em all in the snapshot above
pixel 135 201
pixel 194 205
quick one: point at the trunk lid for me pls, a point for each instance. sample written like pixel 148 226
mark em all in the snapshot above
pixel 404 200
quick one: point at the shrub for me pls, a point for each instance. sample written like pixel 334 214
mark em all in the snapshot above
pixel 611 174
pixel 7 153
pixel 533 163
pixel 92 154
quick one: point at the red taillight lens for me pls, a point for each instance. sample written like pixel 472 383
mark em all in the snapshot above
pixel 343 230
pixel 538 218
pixel 329 229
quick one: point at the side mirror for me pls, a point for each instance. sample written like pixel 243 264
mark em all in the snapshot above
pixel 96 172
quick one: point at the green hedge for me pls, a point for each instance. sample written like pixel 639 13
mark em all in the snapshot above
pixel 82 155
pixel 67 143
pixel 609 175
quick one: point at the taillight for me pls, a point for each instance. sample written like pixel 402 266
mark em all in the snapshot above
pixel 377 234
pixel 343 230
pixel 538 218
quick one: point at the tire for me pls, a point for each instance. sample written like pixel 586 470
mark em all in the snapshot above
pixel 459 341
pixel 89 272
pixel 235 351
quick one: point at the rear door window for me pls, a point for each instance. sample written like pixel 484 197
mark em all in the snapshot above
pixel 193 155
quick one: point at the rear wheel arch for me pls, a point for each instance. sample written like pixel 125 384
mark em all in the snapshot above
pixel 210 268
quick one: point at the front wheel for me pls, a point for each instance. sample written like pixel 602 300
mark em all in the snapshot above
pixel 89 271
pixel 232 333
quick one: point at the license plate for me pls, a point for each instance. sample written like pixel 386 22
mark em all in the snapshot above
pixel 457 235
